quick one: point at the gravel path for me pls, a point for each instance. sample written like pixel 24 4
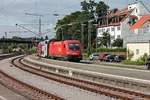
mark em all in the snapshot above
pixel 62 90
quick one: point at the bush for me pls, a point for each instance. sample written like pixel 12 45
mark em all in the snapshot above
pixel 130 54
pixel 85 56
pixel 144 57
pixel 137 62
pixel 111 50
pixel 107 50
pixel 31 50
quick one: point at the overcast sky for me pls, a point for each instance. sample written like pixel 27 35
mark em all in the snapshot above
pixel 13 11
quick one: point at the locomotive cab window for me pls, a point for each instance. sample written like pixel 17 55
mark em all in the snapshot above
pixel 74 46
pixel 64 46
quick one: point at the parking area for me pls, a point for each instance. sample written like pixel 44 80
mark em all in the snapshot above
pixel 106 57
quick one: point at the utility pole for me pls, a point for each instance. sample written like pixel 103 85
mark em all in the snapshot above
pixel 26 29
pixel 82 35
pixel 40 33
pixel 6 35
pixel 89 35
pixel 96 35
pixel 62 33
pixel 38 15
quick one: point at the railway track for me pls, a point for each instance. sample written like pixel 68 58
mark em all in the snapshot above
pixel 5 56
pixel 28 91
pixel 86 85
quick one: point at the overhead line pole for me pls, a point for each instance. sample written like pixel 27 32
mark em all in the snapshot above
pixel 34 14
pixel 26 29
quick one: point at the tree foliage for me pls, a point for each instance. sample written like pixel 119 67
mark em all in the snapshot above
pixel 118 43
pixel 69 27
pixel 101 9
pixel 105 40
pixel 89 7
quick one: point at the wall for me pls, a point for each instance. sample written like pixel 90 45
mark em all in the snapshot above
pixel 139 9
pixel 125 31
pixel 114 34
pixel 142 34
pixel 138 49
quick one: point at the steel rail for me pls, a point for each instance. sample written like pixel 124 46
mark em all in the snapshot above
pixel 36 92
pixel 90 86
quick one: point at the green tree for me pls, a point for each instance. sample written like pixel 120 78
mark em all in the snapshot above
pixel 105 40
pixel 101 9
pixel 118 43
pixel 69 25
pixel 89 7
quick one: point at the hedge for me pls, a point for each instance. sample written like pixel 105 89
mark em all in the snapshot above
pixel 137 62
pixel 107 50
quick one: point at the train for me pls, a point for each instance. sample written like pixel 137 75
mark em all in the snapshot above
pixel 70 50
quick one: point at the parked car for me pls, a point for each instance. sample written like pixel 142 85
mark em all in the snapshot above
pixel 148 63
pixel 102 56
pixel 119 58
pixel 94 56
pixel 110 58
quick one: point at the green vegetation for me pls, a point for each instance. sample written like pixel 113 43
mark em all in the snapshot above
pixel 130 54
pixel 137 62
pixel 118 43
pixel 70 27
pixel 140 61
pixel 31 50
pixel 112 49
pixel 13 47
pixel 108 50
pixel 105 40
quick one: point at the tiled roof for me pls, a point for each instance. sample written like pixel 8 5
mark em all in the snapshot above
pixel 114 17
pixel 140 22
pixel 119 12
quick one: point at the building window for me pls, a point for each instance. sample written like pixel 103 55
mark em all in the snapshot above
pixel 100 30
pixel 118 28
pixel 112 29
pixel 103 30
pixel 118 36
pixel 146 29
pixel 112 37
pixel 137 51
pixel 108 29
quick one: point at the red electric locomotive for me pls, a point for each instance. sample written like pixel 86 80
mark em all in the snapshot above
pixel 67 50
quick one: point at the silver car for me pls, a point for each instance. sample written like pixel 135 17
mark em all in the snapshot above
pixel 94 56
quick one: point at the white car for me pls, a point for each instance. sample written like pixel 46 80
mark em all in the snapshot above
pixel 94 56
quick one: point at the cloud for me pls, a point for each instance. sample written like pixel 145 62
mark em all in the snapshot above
pixel 13 11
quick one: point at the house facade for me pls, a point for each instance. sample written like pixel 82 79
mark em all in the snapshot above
pixel 118 22
pixel 138 39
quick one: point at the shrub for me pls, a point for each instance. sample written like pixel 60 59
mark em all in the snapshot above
pixel 137 62
pixel 31 50
pixel 130 54
pixel 144 57
pixel 111 50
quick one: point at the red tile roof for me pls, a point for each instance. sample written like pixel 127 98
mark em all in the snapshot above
pixel 123 14
pixel 120 12
pixel 140 22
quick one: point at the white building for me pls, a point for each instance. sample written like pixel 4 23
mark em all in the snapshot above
pixel 118 22
pixel 139 39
